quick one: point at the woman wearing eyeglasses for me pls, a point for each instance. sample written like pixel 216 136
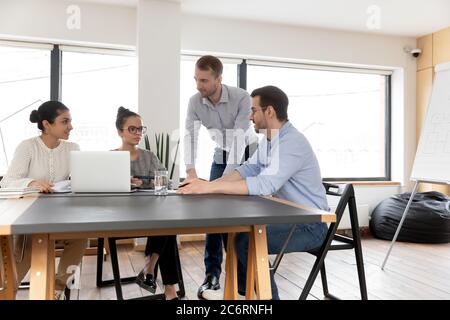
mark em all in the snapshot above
pixel 40 162
pixel 159 249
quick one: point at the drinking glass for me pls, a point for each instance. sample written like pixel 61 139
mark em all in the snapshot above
pixel 161 182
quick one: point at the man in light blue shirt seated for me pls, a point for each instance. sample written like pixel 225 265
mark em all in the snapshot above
pixel 284 166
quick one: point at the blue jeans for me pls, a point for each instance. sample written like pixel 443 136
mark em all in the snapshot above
pixel 215 241
pixel 305 237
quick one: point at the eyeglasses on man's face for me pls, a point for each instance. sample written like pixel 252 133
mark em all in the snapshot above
pixel 256 109
pixel 134 130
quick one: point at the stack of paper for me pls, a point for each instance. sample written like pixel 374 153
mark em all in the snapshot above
pixel 6 193
pixel 62 187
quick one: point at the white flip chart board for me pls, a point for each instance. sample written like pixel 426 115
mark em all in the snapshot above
pixel 432 162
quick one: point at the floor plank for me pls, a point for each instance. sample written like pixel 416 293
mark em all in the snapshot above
pixel 414 271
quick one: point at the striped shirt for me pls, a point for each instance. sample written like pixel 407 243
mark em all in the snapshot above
pixel 228 124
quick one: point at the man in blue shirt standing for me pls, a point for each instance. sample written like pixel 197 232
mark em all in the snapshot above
pixel 284 166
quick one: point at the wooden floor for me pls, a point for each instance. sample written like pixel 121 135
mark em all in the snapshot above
pixel 414 271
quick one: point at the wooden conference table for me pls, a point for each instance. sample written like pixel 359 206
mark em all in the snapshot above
pixel 75 216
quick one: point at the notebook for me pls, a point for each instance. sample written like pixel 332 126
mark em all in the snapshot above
pixel 13 192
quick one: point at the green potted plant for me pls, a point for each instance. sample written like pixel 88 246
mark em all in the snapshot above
pixel 163 151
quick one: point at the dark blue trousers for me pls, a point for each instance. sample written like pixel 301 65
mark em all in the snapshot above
pixel 215 241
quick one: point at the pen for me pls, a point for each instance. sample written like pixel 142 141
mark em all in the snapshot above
pixel 144 177
pixel 186 183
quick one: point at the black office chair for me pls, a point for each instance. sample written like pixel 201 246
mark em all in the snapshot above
pixel 333 241
pixel 117 280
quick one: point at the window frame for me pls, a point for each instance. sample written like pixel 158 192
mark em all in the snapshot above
pixel 387 73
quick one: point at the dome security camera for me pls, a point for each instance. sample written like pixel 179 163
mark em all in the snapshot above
pixel 416 52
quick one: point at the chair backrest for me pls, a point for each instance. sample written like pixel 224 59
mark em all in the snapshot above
pixel 346 194
pixel 347 198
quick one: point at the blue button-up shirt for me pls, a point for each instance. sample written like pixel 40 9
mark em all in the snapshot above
pixel 286 167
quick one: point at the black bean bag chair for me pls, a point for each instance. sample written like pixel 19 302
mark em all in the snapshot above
pixel 427 220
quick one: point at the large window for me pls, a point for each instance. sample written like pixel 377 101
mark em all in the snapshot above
pixel 344 114
pixel 24 85
pixel 206 146
pixel 94 86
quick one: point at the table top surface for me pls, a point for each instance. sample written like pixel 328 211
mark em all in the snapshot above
pixel 82 213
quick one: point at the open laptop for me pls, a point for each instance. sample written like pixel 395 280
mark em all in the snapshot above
pixel 100 171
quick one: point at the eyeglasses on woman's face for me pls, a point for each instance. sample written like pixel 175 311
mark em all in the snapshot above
pixel 134 130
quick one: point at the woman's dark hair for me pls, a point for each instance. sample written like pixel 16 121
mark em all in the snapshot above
pixel 47 111
pixel 275 97
pixel 122 115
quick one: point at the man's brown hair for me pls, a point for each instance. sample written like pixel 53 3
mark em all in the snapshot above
pixel 212 63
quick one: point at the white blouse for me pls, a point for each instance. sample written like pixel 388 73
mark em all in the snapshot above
pixel 33 160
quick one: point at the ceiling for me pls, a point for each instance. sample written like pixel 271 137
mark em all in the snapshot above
pixel 395 17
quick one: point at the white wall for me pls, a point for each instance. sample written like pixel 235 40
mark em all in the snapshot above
pixel 46 20
pixel 116 26
pixel 271 40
